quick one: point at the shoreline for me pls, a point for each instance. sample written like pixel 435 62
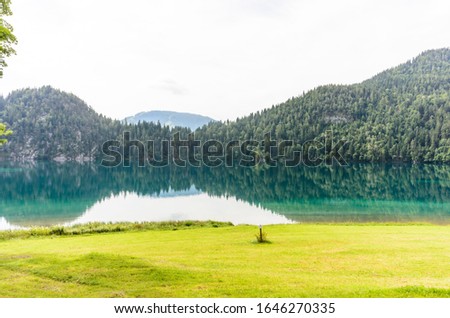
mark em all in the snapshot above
pixel 115 227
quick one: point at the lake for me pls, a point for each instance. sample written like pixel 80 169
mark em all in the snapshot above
pixel 48 193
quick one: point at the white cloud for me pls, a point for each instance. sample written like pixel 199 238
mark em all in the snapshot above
pixel 171 86
pixel 218 58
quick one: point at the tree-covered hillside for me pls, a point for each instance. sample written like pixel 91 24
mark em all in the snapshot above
pixel 400 114
pixel 51 124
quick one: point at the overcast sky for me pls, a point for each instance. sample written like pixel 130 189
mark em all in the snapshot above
pixel 218 58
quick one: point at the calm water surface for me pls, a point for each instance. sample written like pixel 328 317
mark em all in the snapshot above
pixel 34 194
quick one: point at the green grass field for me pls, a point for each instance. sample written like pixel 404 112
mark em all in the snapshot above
pixel 300 261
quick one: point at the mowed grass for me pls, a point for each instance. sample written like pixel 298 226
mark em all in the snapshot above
pixel 301 261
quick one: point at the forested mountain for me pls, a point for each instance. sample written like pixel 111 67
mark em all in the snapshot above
pixel 171 119
pixel 400 114
pixel 50 124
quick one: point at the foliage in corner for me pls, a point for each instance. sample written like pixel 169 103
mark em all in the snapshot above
pixel 7 38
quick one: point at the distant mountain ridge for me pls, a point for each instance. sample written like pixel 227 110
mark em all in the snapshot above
pixel 171 119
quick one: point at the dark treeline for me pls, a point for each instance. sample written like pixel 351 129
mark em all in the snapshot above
pixel 402 114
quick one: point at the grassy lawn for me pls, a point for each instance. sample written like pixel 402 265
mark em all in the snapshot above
pixel 301 261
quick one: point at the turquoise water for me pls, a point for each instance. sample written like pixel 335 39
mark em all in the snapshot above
pixel 40 193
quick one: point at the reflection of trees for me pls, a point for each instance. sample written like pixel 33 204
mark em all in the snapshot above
pixel 356 193
pixel 370 182
pixel 65 191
